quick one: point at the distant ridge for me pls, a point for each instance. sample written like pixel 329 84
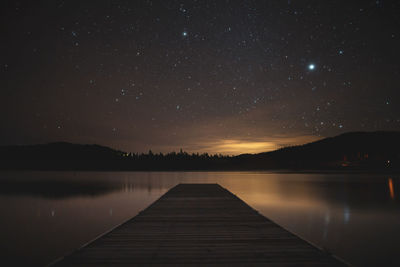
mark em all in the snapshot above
pixel 354 150
pixel 379 149
pixel 59 151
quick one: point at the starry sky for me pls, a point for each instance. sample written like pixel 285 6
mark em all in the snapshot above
pixel 224 77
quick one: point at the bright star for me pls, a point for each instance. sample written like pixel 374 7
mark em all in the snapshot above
pixel 184 33
pixel 311 67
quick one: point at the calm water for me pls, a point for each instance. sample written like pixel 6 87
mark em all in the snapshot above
pixel 45 215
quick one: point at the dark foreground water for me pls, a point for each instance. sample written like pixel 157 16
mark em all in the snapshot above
pixel 44 215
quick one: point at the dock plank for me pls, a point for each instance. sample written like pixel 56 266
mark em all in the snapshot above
pixel 199 225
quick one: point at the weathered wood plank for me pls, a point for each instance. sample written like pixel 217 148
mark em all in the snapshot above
pixel 199 224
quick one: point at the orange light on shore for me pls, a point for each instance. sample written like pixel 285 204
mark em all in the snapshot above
pixel 391 189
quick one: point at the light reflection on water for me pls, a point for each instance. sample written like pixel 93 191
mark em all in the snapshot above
pixel 47 214
pixel 391 188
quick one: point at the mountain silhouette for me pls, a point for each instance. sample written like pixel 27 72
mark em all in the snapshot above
pixel 59 151
pixel 354 150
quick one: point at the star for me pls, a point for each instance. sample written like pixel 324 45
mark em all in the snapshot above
pixel 193 64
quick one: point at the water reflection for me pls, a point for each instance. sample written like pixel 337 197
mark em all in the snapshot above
pixel 391 190
pixel 346 214
pixel 298 189
pixel 56 189
pixel 351 215
pixel 53 185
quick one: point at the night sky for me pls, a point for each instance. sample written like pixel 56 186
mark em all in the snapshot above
pixel 217 76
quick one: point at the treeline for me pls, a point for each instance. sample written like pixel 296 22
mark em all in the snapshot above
pixel 175 161
pixel 123 162
pixel 181 155
pixel 355 151
pixel 67 156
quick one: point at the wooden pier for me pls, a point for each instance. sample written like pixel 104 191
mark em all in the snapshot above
pixel 202 225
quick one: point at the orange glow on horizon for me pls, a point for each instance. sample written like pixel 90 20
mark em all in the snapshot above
pixel 236 147
pixel 391 189
pixel 240 146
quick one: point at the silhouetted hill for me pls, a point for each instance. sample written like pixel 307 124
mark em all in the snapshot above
pixel 58 151
pixel 356 150
pixel 59 156
pixel 349 150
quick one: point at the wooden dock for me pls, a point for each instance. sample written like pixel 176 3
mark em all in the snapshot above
pixel 202 225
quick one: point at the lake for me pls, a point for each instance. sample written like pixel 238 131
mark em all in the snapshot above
pixel 45 215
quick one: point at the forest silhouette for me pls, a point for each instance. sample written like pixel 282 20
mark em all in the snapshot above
pixel 349 151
